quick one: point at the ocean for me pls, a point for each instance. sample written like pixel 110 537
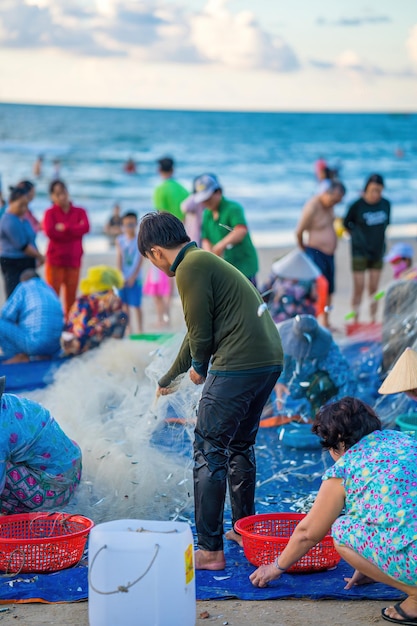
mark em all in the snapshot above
pixel 265 161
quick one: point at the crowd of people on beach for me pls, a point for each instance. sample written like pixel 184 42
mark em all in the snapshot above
pixel 200 242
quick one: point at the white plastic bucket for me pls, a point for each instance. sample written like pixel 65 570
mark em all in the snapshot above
pixel 141 573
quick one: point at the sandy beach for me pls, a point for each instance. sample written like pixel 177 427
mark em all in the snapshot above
pixel 234 612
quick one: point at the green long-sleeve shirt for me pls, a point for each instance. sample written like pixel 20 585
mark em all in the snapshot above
pixel 221 314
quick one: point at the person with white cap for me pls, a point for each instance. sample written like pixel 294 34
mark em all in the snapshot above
pixel 400 257
pixel 224 229
pixel 295 287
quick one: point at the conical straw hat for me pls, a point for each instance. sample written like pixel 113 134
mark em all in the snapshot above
pixel 403 375
pixel 296 265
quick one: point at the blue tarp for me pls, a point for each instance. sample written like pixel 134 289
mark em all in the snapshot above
pixel 32 375
pixel 284 474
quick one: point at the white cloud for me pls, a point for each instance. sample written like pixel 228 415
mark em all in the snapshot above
pixel 147 30
pixel 236 40
pixel 412 44
pixel 351 63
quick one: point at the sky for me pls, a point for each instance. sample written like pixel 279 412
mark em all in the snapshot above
pixel 275 55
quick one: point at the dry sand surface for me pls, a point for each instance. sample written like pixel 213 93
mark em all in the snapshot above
pixel 234 612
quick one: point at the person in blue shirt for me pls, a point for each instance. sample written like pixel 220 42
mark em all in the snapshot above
pixel 18 250
pixel 31 320
pixel 314 371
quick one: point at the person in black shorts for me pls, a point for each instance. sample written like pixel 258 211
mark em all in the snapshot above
pixel 366 221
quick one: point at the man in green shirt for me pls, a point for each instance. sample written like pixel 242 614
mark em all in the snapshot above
pixel 224 229
pixel 169 194
pixel 232 346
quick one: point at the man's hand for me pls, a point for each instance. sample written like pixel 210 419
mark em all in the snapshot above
pixel 60 226
pixel 165 391
pixel 196 378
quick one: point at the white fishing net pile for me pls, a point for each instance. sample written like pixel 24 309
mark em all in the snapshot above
pixel 106 403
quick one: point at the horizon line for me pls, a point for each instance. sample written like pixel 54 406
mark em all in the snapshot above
pixel 120 107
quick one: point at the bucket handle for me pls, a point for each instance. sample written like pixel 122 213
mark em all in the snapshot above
pixel 120 588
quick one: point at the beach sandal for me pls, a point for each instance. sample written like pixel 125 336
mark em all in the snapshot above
pixel 407 619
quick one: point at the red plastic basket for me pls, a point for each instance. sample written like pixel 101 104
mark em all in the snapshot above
pixel 266 536
pixel 42 542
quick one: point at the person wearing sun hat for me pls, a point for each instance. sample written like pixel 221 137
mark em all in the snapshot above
pixel 224 229
pixel 403 376
pixel 97 314
pixel 400 257
pixel 314 368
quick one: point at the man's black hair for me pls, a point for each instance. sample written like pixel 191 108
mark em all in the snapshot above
pixel 374 178
pixel 160 229
pixel 130 214
pixel 166 164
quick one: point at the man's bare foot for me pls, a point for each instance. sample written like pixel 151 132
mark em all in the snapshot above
pixel 17 358
pixel 209 560
pixel 402 612
pixel 232 535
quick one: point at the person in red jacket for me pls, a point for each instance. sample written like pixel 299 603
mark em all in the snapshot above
pixel 64 224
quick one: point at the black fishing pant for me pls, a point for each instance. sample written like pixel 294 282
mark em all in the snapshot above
pixel 227 424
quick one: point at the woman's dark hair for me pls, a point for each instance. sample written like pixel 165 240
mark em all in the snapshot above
pixel 374 178
pixel 160 229
pixel 55 183
pixel 16 193
pixel 345 422
pixel 26 184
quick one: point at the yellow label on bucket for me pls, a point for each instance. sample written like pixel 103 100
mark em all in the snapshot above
pixel 189 564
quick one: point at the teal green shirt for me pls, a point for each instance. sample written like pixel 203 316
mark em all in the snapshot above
pixel 221 314
pixel 168 197
pixel 242 255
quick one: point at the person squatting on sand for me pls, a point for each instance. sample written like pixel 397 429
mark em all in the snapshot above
pixel 374 479
pixel 31 320
pixel 315 370
pixel 244 353
pixel 366 221
pixel 97 314
pixel 41 466
pixel 64 225
pixel 317 221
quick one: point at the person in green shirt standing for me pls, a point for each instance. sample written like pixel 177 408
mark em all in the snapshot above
pixel 224 229
pixel 233 347
pixel 169 194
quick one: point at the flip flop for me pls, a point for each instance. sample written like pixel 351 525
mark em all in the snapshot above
pixel 407 619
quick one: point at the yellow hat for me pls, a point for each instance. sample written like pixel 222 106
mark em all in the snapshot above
pixel 101 278
pixel 403 376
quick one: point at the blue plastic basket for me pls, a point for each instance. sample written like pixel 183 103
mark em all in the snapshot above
pixel 407 423
pixel 297 435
